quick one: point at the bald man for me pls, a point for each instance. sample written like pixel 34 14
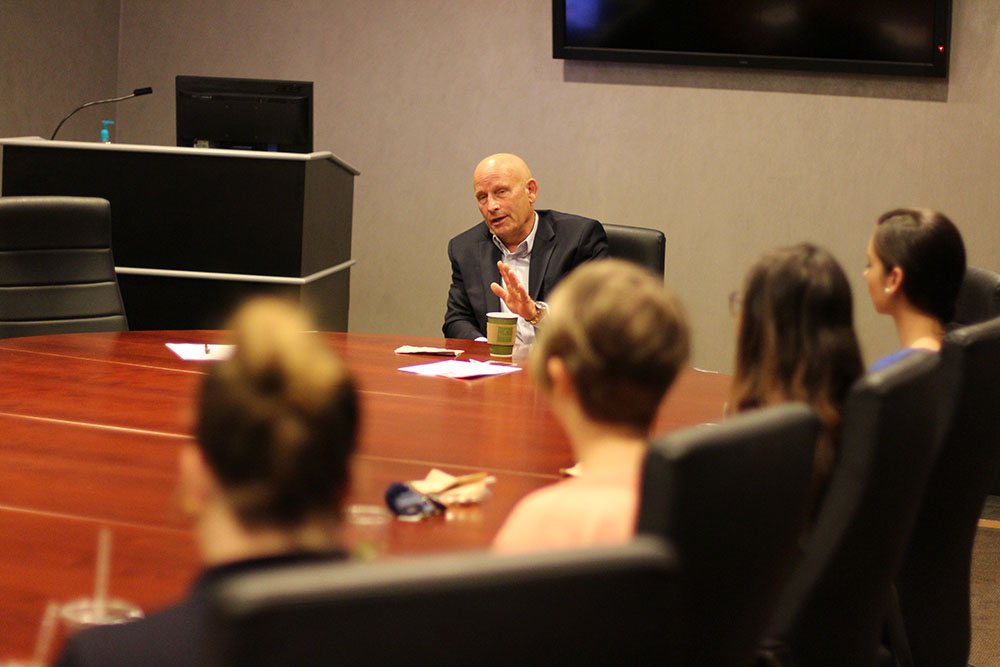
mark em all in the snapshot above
pixel 516 255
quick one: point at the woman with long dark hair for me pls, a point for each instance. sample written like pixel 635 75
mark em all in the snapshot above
pixel 796 342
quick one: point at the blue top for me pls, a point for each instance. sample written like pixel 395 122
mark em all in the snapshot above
pixel 888 360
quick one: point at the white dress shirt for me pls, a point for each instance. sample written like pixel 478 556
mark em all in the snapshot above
pixel 520 262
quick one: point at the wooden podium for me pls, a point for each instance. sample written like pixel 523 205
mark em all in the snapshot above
pixel 196 230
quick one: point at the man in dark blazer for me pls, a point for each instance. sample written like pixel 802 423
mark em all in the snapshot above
pixel 514 244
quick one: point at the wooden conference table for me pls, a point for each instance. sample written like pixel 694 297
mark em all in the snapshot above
pixel 91 426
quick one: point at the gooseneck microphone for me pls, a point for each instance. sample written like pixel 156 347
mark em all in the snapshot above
pixel 135 93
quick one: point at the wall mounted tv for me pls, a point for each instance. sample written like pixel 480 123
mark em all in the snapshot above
pixel 251 114
pixel 899 37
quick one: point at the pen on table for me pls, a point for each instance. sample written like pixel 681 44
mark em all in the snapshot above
pixel 206 349
pixel 492 362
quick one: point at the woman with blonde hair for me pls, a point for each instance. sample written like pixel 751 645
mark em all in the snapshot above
pixel 263 481
pixel 606 354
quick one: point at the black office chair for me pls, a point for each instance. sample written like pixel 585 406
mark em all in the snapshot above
pixel 57 274
pixel 978 297
pixel 978 301
pixel 834 606
pixel 933 580
pixel 593 606
pixel 643 246
pixel 732 499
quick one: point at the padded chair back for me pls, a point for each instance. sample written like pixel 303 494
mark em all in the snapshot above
pixel 643 246
pixel 978 301
pixel 57 274
pixel 732 499
pixel 933 580
pixel 978 297
pixel 593 606
pixel 833 609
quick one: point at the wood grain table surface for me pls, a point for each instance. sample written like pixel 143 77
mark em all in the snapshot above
pixel 91 426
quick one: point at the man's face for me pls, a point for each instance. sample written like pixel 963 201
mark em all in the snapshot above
pixel 506 200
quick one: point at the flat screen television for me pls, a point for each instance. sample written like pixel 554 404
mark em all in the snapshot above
pixel 899 37
pixel 251 114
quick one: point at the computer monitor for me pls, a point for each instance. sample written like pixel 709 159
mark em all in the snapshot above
pixel 250 114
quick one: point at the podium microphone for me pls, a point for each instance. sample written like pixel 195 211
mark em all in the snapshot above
pixel 135 93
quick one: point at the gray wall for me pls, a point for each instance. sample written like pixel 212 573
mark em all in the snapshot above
pixel 54 56
pixel 727 164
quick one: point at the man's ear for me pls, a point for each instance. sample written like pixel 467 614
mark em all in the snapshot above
pixel 197 483
pixel 532 188
pixel 560 379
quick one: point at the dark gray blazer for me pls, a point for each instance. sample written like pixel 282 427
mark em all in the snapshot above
pixel 563 242
pixel 171 637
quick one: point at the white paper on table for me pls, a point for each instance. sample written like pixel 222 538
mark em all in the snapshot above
pixel 453 368
pixel 201 351
pixel 434 351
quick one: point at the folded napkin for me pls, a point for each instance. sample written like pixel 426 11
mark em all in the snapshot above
pixel 451 490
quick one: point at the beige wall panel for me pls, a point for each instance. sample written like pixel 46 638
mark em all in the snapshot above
pixel 54 56
pixel 726 163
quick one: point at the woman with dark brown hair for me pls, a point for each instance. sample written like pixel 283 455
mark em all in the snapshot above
pixel 796 342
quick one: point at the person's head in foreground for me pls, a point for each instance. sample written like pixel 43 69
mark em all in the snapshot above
pixel 916 262
pixel 275 431
pixel 610 348
pixel 606 354
pixel 276 428
pixel 795 339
